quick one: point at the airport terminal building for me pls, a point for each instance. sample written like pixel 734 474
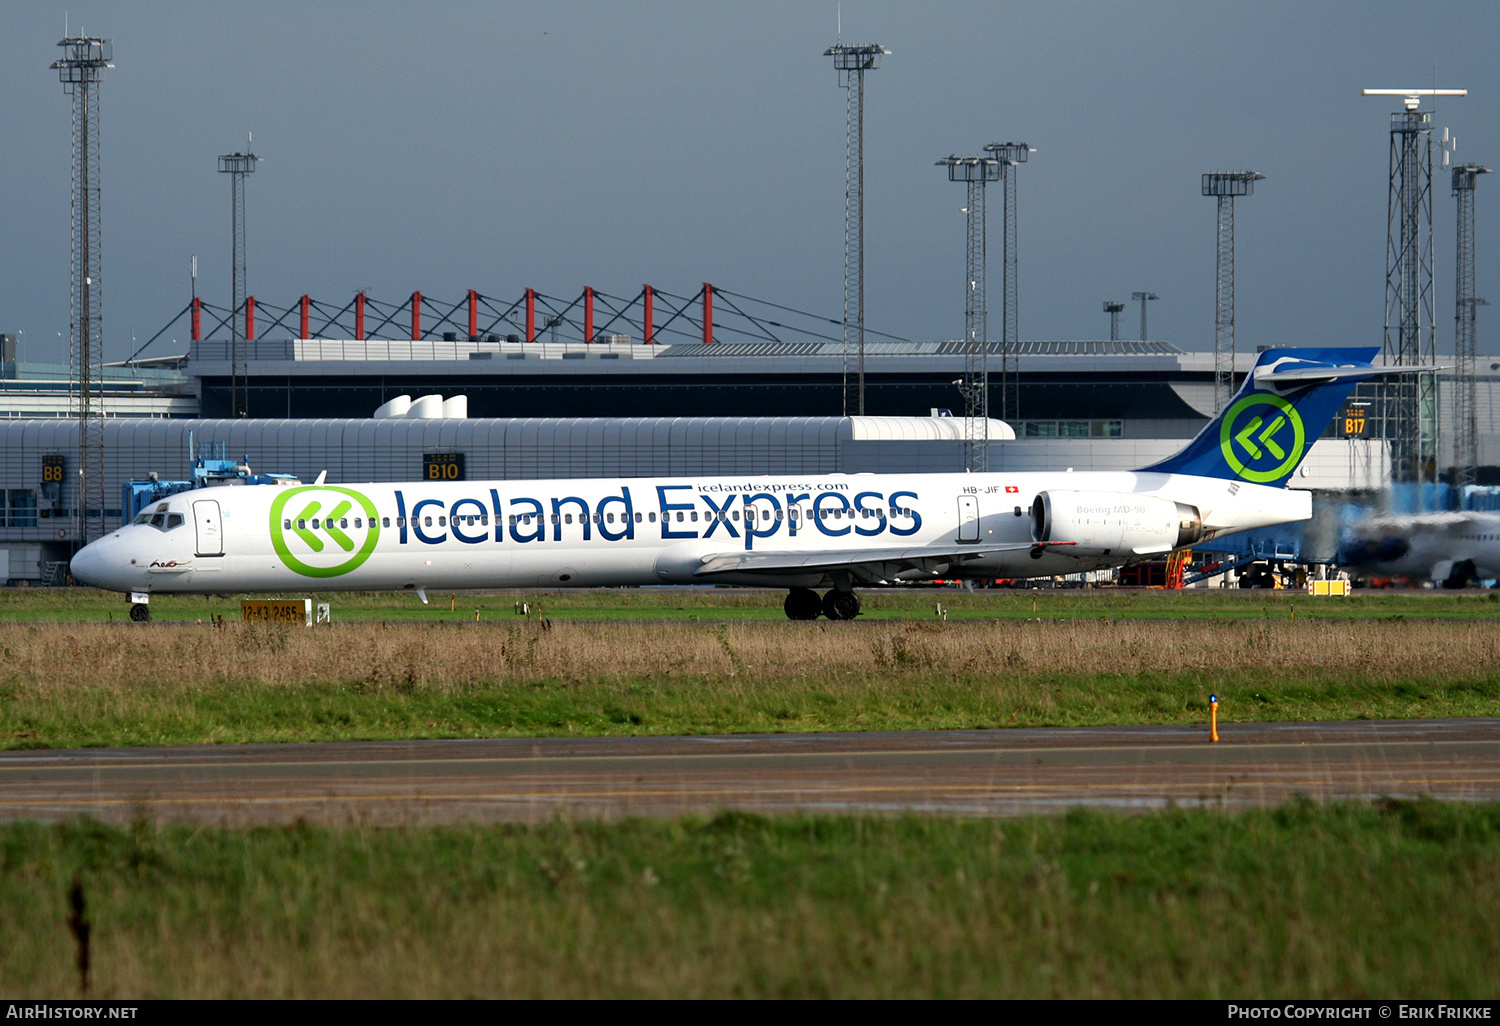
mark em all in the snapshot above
pixel 542 409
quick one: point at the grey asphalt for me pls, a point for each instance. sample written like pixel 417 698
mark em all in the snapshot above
pixel 969 772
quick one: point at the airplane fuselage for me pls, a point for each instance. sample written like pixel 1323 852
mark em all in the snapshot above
pixel 635 531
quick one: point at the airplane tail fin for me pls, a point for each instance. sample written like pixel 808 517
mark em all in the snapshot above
pixel 1285 403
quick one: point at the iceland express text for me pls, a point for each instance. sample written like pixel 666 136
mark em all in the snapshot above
pixel 747 512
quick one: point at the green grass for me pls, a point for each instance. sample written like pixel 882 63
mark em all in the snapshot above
pixel 1345 901
pixel 97 685
pixel 717 604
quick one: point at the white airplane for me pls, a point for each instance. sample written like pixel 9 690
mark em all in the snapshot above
pixel 810 533
pixel 1457 549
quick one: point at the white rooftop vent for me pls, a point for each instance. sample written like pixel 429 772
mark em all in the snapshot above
pixel 397 407
pixel 427 407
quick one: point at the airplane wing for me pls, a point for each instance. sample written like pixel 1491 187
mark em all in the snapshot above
pixel 867 564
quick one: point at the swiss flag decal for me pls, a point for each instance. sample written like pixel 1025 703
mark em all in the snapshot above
pixel 1011 489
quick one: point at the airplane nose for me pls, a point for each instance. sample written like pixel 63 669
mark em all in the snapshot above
pixel 86 565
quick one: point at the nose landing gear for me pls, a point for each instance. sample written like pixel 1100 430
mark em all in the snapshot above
pixel 140 613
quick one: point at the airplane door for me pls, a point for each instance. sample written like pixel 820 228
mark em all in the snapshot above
pixel 968 518
pixel 210 531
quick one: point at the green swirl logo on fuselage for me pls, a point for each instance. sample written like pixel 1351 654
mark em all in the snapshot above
pixel 323 531
pixel 1262 445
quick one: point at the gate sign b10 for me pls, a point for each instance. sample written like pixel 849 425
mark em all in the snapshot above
pixel 443 466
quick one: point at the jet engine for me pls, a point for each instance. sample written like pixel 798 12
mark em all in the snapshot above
pixel 1118 524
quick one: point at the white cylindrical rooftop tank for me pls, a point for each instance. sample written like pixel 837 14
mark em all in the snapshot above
pixel 397 407
pixel 427 407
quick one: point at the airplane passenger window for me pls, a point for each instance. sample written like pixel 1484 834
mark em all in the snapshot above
pixel 679 516
pixel 556 519
pixel 735 514
pixel 695 514
pixel 427 521
pixel 567 518
pixel 484 521
pixel 286 525
pixel 315 523
pixel 513 519
pixel 638 518
pixel 385 521
pixel 442 521
pixel 400 521
pixel 301 525
pixel 778 514
pixel 610 517
pixel 651 517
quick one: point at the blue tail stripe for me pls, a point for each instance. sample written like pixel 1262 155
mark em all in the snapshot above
pixel 1264 433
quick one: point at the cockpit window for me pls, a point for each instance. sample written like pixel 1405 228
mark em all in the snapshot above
pixel 160 520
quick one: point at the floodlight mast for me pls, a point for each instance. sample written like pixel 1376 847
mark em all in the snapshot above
pixel 851 62
pixel 81 70
pixel 1011 155
pixel 1465 346
pixel 1409 421
pixel 1143 298
pixel 1114 307
pixel 1225 186
pixel 237 165
pixel 976 173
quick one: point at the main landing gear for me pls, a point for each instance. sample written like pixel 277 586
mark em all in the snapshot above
pixel 804 604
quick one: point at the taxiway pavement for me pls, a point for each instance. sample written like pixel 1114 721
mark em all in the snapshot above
pixel 964 772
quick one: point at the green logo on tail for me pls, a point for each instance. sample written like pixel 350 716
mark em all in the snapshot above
pixel 314 535
pixel 1262 445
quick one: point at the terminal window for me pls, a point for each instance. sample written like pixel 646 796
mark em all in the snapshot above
pixel 1070 429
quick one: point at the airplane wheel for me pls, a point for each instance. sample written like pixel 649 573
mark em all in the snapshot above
pixel 802 604
pixel 1461 575
pixel 140 613
pixel 841 605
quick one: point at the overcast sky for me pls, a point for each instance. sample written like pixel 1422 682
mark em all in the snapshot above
pixel 448 146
